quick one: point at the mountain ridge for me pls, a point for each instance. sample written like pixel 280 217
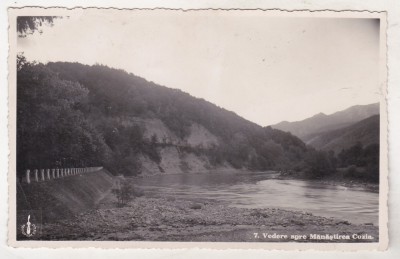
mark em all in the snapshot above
pixel 305 129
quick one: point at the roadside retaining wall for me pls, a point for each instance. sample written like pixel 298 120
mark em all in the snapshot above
pixel 71 194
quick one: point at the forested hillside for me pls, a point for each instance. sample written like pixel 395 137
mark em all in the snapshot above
pixel 365 132
pixel 71 115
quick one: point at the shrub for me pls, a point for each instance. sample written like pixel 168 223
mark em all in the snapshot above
pixel 125 193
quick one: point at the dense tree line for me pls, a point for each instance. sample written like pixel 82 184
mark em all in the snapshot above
pixel 356 157
pixel 355 163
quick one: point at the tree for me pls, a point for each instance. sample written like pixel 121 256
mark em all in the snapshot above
pixel 52 131
pixel 318 164
pixel 371 156
pixel 29 24
pixel 124 193
pixel 352 155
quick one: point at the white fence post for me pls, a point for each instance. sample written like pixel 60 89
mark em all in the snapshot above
pixel 36 175
pixel 28 176
pixel 42 174
pixel 48 174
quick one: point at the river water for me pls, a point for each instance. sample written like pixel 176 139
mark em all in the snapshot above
pixel 264 190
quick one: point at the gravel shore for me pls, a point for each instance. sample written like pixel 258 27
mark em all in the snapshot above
pixel 159 219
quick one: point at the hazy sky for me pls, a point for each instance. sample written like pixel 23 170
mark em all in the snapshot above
pixel 266 69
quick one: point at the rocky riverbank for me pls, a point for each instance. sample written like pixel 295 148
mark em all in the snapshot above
pixel 159 219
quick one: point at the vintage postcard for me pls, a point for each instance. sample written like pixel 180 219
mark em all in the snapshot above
pixel 162 128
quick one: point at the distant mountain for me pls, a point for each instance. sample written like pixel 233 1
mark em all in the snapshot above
pixel 306 129
pixel 365 132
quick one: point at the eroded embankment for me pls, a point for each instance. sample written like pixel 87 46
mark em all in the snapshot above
pixel 64 197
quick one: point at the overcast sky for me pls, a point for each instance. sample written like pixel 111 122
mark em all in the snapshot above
pixel 266 69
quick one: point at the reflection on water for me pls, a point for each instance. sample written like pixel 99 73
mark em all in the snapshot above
pixel 263 190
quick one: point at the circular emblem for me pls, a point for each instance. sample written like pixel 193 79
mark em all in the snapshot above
pixel 28 229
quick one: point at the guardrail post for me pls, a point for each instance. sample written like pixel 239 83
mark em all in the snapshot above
pixel 36 175
pixel 42 174
pixel 28 176
pixel 58 173
pixel 53 173
pixel 48 174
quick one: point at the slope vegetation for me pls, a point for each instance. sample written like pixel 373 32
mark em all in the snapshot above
pixel 365 132
pixel 79 115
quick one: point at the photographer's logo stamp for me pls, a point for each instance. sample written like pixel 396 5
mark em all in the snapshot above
pixel 28 229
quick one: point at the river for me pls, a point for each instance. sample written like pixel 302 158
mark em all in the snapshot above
pixel 264 190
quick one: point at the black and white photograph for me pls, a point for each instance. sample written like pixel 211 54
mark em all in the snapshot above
pixel 214 126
